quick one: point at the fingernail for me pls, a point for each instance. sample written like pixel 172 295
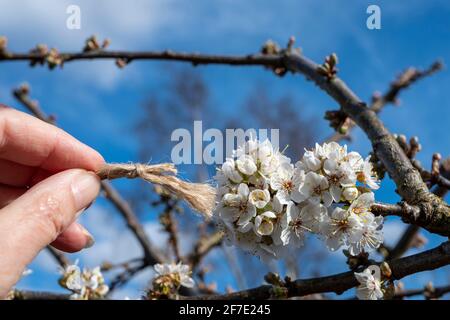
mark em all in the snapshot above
pixel 85 188
pixel 78 214
pixel 88 206
pixel 91 240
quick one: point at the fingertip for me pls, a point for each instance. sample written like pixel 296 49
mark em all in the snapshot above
pixel 85 188
pixel 75 238
pixel 97 160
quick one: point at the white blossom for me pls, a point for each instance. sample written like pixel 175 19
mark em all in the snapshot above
pixel 287 181
pixel 299 221
pixel 367 176
pixel 246 165
pixel 236 205
pixel 229 171
pixel 315 189
pixel 265 204
pixel 339 175
pixel 311 161
pixel 362 204
pixel 370 235
pixel 181 272
pixel 370 287
pixel 86 284
pixel 350 193
pixel 264 223
pixel 259 198
pixel 330 150
pixel 355 160
pixel 340 228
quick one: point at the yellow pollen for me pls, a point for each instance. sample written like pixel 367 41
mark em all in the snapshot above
pixel 288 185
pixel 360 177
pixel 317 190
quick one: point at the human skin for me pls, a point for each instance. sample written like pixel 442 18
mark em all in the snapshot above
pixel 46 182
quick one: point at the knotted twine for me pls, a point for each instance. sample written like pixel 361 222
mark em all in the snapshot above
pixel 199 196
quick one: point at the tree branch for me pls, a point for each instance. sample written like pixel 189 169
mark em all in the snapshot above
pixel 338 283
pixel 432 213
pixel 403 81
pixel 203 247
pixel 152 255
pixel 421 207
pixel 404 243
pixel 59 256
pixel 412 230
pixel 194 58
pixel 125 276
pixel 37 295
pixel 429 293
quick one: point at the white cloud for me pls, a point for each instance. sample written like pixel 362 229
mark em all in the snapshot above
pixel 129 25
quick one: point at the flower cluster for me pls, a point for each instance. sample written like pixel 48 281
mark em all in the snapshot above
pixel 266 204
pixel 168 280
pixel 375 283
pixel 369 286
pixel 86 284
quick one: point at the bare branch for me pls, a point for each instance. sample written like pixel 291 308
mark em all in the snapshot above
pixel 338 283
pixel 403 81
pixel 433 213
pixel 429 293
pixel 152 255
pixel 404 243
pixel 127 56
pixel 203 247
pixel 167 220
pixel 125 276
pixel 400 210
pixel 37 295
pixel 59 256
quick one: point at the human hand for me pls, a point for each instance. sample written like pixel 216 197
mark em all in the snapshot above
pixel 46 181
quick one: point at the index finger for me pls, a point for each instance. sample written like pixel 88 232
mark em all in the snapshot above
pixel 29 141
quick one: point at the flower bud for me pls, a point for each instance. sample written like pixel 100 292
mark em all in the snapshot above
pixel 350 194
pixel 386 270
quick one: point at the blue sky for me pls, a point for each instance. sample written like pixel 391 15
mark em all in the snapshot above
pixel 99 104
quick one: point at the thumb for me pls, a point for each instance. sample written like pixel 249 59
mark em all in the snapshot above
pixel 36 218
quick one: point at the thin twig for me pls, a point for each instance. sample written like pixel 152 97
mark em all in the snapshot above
pixel 125 276
pixel 167 220
pixel 194 58
pixel 403 81
pixel 434 293
pixel 37 295
pixel 62 260
pixel 203 247
pixel 404 243
pixel 152 255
